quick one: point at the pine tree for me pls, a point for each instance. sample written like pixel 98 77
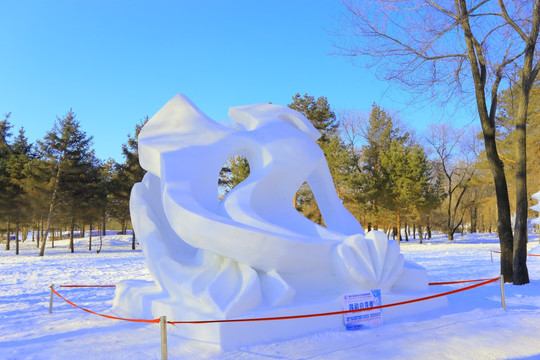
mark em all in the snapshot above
pixel 339 157
pixel 19 204
pixel 124 176
pixel 5 183
pixel 318 112
pixel 67 155
pixel 372 183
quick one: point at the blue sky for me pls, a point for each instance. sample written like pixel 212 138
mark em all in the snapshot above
pixel 113 62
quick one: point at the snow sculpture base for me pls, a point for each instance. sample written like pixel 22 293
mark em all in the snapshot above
pixel 250 254
pixel 230 336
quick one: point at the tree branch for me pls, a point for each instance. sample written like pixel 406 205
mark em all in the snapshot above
pixel 512 23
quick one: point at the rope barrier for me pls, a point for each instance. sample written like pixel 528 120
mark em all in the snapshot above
pixel 87 286
pixel 337 312
pixel 103 315
pixel 455 282
pixel 482 283
pixel 498 252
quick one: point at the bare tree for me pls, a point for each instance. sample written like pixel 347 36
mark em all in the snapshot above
pixel 456 170
pixel 449 48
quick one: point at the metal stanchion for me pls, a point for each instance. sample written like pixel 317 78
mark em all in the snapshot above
pixel 51 299
pixel 502 293
pixel 491 254
pixel 163 324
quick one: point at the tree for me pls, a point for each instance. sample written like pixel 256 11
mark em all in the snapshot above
pixel 124 176
pixel 19 204
pixel 339 157
pixel 318 112
pixel 455 169
pixel 372 183
pixel 235 170
pixel 66 155
pixel 506 125
pixel 5 183
pixel 458 47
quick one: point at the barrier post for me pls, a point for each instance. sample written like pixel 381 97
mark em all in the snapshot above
pixel 163 324
pixel 502 293
pixel 491 254
pixel 51 299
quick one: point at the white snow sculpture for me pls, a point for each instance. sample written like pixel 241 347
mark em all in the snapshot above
pixel 252 252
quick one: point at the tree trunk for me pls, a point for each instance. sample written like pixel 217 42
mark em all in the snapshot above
pixel 8 237
pixel 398 227
pixel 104 226
pixel 132 239
pixel 528 75
pixel 487 120
pixel 420 235
pixel 90 238
pixel 51 209
pixel 71 231
pixel 40 232
pixel 17 238
pixel 520 272
pixel 37 235
pixel 406 232
pixel 474 219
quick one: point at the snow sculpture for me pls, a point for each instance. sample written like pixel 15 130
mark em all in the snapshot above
pixel 251 253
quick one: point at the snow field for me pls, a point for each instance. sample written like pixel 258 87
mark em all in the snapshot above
pixel 472 326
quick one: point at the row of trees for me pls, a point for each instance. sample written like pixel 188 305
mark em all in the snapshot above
pixel 58 183
pixel 388 178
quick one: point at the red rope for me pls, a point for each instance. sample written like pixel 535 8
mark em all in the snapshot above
pixel 484 282
pixel 87 286
pixel 106 316
pixel 498 252
pixel 336 312
pixel 455 282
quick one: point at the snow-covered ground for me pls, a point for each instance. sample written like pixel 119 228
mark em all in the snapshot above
pixel 473 326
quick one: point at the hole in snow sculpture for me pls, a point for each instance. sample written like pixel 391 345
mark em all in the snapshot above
pixel 232 173
pixel 306 204
pixel 252 254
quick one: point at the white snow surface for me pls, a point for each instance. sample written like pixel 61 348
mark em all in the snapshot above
pixel 473 326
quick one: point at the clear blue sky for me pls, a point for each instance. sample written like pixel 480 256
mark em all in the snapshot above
pixel 113 62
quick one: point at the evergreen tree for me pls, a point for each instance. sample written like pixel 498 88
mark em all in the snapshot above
pixel 339 157
pixel 372 183
pixel 318 112
pixel 66 156
pixel 5 182
pixel 396 183
pixel 124 176
pixel 19 204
